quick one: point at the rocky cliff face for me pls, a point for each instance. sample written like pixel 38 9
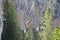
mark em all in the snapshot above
pixel 32 10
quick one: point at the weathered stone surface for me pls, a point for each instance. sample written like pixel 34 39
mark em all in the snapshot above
pixel 32 10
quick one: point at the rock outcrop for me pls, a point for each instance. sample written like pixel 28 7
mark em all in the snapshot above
pixel 33 10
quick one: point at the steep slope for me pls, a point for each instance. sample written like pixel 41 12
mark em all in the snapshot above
pixel 32 10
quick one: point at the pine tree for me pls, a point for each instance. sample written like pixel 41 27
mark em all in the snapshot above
pixel 46 26
pixel 11 29
pixel 29 34
pixel 56 34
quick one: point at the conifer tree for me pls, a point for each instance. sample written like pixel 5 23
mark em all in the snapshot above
pixel 11 29
pixel 29 34
pixel 56 34
pixel 46 26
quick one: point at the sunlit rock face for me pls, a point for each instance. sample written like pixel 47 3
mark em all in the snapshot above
pixel 33 10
